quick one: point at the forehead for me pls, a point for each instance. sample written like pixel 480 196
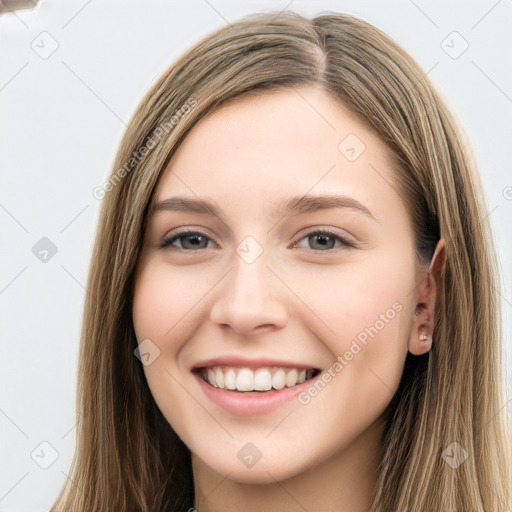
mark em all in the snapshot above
pixel 279 144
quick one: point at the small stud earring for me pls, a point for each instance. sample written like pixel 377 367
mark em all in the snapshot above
pixel 424 338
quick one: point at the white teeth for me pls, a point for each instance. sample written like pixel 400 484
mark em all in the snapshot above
pixel 245 380
pixel 229 379
pixel 211 377
pixel 263 379
pixel 291 378
pixel 219 378
pixel 279 379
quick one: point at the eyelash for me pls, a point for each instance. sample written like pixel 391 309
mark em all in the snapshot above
pixel 167 242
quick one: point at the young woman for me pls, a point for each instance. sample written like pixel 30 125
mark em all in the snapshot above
pixel 292 299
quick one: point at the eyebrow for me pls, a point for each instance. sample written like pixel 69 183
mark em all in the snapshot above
pixel 295 205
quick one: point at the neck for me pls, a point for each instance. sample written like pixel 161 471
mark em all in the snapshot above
pixel 344 482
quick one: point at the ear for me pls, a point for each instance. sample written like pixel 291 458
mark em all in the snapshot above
pixel 422 330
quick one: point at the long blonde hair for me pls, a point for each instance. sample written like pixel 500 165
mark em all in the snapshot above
pixel 127 456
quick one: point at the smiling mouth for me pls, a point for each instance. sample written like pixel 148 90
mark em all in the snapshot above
pixel 246 380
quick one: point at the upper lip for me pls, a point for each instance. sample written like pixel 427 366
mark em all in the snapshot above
pixel 237 361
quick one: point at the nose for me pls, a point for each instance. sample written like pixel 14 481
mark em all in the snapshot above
pixel 250 299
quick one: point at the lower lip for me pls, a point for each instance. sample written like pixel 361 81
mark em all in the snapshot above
pixel 252 404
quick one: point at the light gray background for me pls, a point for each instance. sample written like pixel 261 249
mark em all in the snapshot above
pixel 61 119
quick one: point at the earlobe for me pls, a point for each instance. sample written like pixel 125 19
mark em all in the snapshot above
pixel 422 330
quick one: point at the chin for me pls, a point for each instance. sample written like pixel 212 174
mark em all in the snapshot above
pixel 264 471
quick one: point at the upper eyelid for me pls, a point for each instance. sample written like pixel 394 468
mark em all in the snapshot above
pixel 311 230
pixel 184 231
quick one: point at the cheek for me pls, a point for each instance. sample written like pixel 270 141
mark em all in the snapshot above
pixel 163 299
pixel 351 297
pixel 166 311
pixel 363 314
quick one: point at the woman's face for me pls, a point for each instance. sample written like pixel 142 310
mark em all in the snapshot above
pixel 255 298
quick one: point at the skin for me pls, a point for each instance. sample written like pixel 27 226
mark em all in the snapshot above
pixel 297 301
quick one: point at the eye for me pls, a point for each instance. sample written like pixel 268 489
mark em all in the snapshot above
pixel 324 240
pixel 189 240
pixel 320 240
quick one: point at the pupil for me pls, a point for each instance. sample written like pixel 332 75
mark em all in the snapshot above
pixel 322 239
pixel 195 240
